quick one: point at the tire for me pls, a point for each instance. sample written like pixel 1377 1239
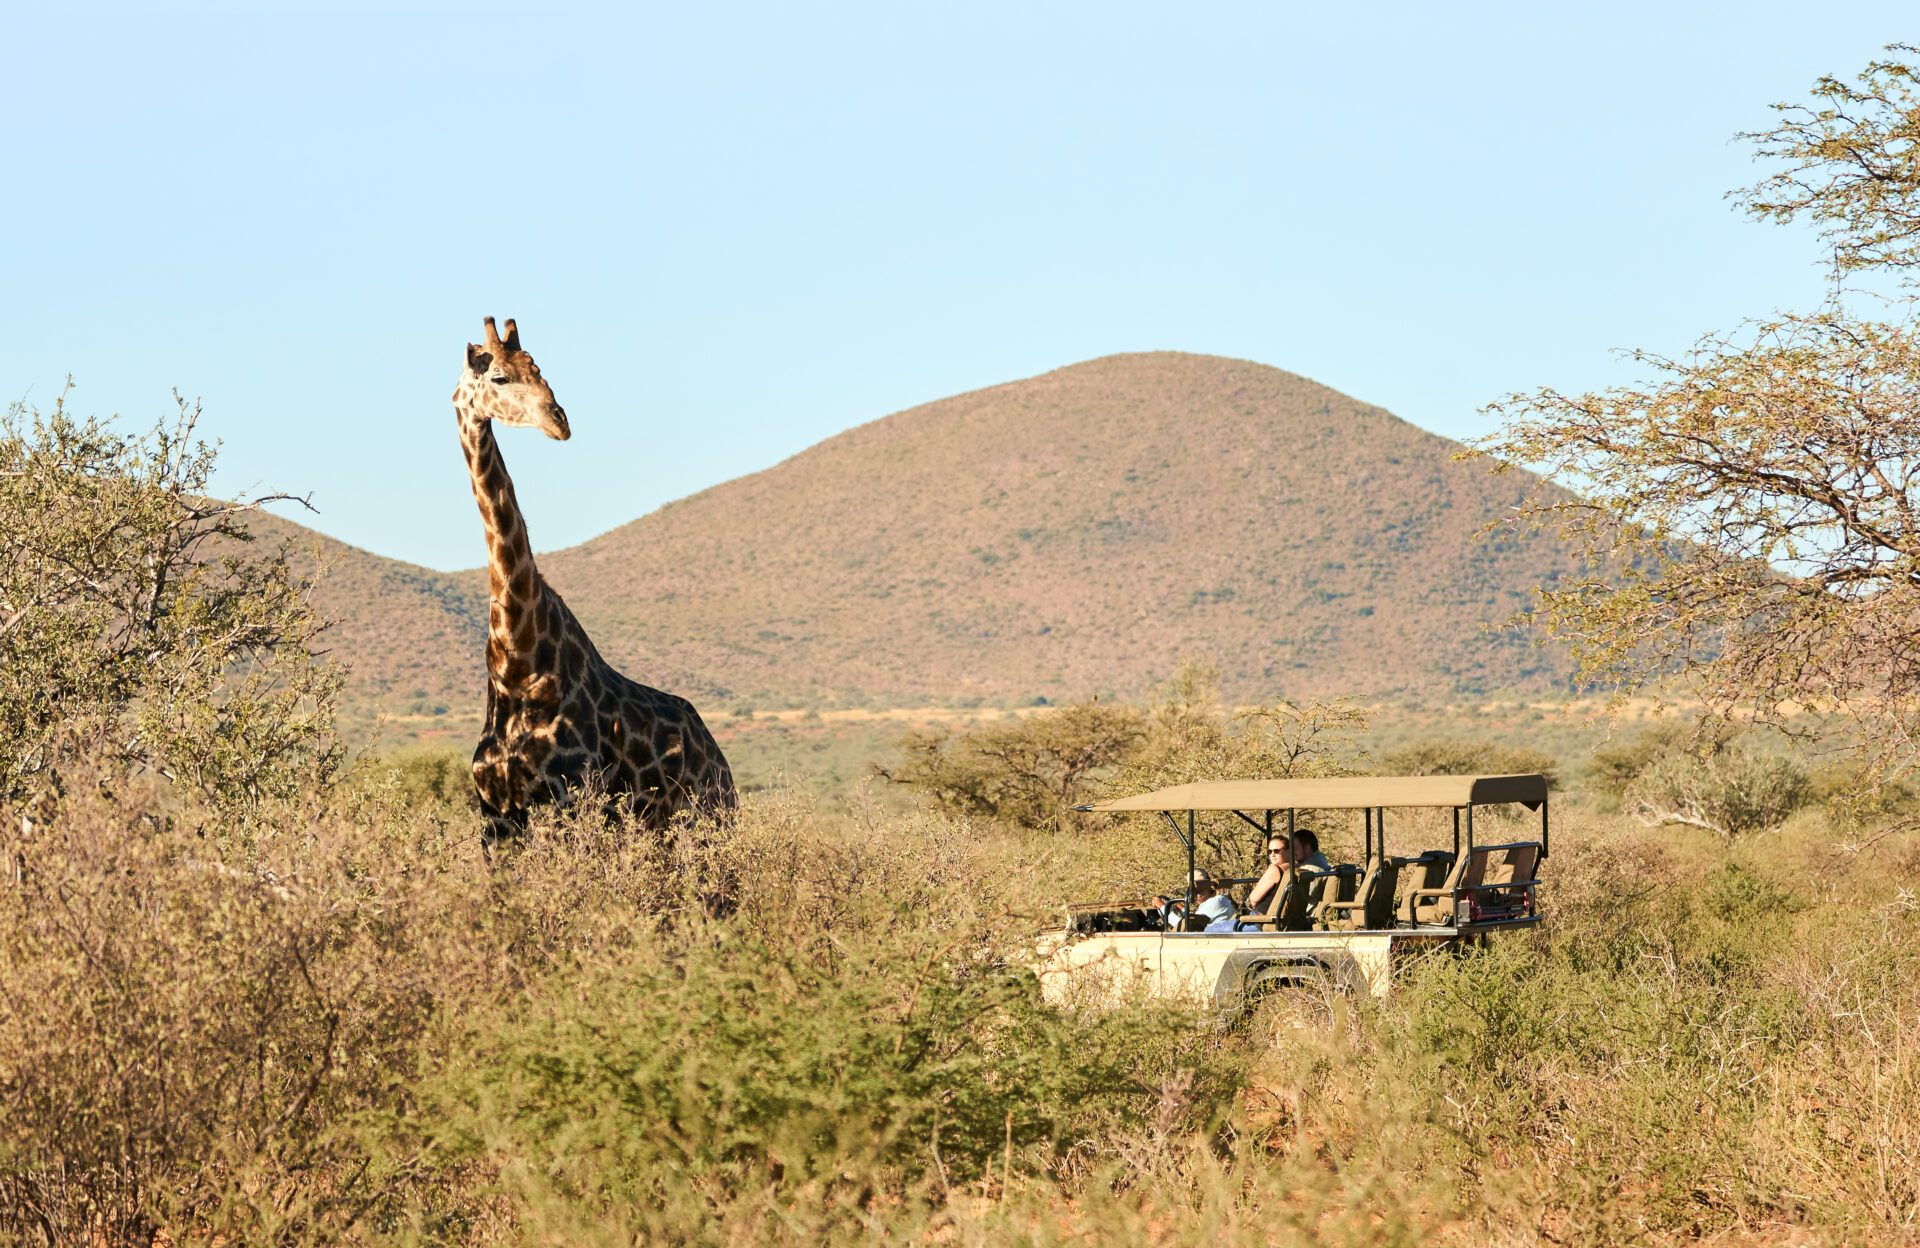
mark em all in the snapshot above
pixel 1281 997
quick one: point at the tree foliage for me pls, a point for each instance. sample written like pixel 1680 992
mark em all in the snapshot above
pixel 1033 771
pixel 1029 771
pixel 1749 519
pixel 139 631
pixel 1462 756
pixel 1853 166
pixel 1192 737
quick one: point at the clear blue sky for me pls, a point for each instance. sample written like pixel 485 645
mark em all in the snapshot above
pixel 729 232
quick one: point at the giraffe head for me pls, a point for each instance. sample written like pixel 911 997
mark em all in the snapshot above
pixel 503 383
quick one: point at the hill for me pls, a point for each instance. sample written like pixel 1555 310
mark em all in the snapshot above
pixel 412 635
pixel 1079 532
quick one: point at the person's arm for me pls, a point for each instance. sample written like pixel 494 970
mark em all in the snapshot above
pixel 1264 885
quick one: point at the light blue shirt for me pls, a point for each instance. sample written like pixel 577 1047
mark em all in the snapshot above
pixel 1213 909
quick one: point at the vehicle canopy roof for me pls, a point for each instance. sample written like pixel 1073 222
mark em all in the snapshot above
pixel 1340 793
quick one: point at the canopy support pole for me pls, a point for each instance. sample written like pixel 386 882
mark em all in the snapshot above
pixel 1544 843
pixel 1168 816
pixel 1189 910
pixel 1186 838
pixel 1456 834
pixel 1250 823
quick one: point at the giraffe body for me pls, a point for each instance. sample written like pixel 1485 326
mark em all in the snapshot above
pixel 559 717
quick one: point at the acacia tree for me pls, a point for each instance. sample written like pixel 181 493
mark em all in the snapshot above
pixel 1853 167
pixel 1749 519
pixel 140 632
pixel 1030 771
pixel 1192 737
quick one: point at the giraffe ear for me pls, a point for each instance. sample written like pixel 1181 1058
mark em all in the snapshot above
pixel 478 361
pixel 513 335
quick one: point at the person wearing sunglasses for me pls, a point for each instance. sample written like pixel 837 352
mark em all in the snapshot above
pixel 1279 858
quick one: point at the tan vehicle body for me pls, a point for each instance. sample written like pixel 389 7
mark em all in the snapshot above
pixel 1348 946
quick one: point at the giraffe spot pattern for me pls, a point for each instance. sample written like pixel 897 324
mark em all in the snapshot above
pixel 558 715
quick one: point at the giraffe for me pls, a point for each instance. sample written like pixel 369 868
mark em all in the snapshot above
pixel 558 715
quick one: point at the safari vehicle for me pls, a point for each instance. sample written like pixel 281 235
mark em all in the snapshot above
pixel 1343 930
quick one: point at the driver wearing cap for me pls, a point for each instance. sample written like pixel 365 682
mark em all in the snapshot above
pixel 1209 903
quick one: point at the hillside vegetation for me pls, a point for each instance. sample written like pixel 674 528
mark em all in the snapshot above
pixel 409 634
pixel 1080 532
pixel 1076 533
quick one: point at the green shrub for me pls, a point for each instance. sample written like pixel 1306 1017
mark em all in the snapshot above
pixel 1192 737
pixel 184 1029
pixel 1733 791
pixel 663 1089
pixel 1458 756
pixel 1851 793
pixel 344 1029
pixel 139 632
pixel 426 777
pixel 1615 765
pixel 1030 771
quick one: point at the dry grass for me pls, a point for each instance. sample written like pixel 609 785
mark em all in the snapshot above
pixel 343 1029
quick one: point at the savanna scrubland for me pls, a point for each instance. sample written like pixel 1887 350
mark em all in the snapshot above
pixel 255 991
pixel 252 991
pixel 336 1024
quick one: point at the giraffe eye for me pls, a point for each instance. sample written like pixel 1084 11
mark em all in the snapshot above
pixel 498 381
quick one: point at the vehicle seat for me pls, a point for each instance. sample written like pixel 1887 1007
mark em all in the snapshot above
pixel 1287 912
pixel 1515 867
pixel 1291 910
pixel 1439 907
pixel 1431 901
pixel 1340 884
pixel 1429 872
pixel 1379 903
pixel 1372 909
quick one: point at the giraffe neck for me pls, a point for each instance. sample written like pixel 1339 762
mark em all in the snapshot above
pixel 513 581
